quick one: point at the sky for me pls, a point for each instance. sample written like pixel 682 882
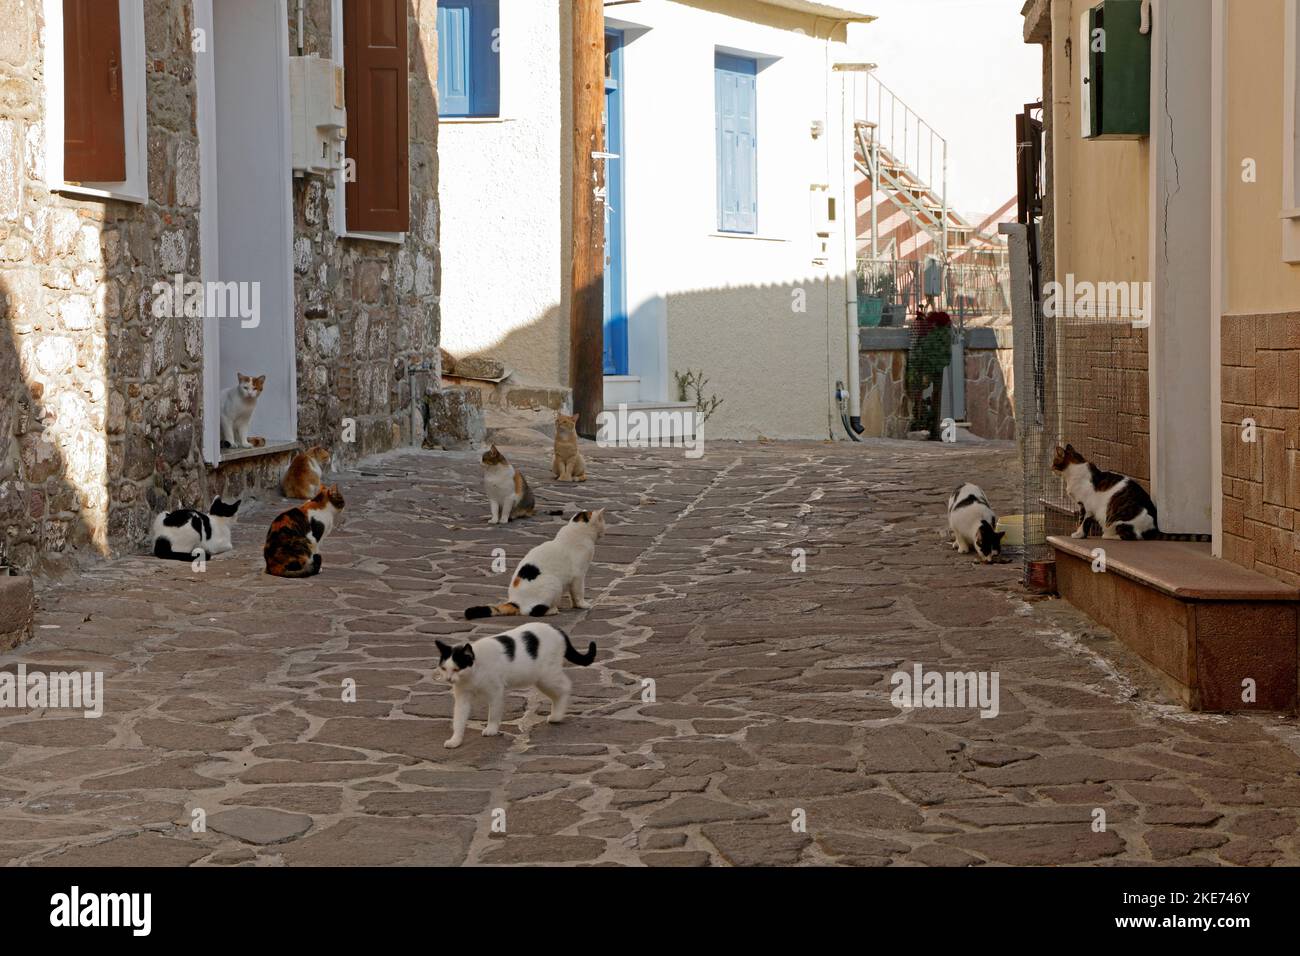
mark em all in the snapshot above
pixel 964 67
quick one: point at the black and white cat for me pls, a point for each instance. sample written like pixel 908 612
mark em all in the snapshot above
pixel 528 656
pixel 180 535
pixel 551 570
pixel 1114 503
pixel 973 523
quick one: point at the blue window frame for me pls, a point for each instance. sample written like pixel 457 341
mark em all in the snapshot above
pixel 737 115
pixel 469 58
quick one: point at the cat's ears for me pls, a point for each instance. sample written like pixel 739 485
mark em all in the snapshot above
pixel 259 381
pixel 598 515
pixel 444 651
pixel 1000 535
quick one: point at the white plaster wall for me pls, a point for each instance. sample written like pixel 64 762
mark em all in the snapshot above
pixel 725 302
pixel 695 299
pixel 504 267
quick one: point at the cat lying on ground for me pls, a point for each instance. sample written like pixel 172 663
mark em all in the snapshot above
pixel 528 656
pixel 180 535
pixel 551 570
pixel 295 535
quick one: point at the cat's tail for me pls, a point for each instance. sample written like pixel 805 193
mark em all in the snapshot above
pixel 509 609
pixel 162 548
pixel 573 657
pixel 1175 536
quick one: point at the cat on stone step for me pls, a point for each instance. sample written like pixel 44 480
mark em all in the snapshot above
pixel 528 656
pixel 1115 503
pixel 181 535
pixel 237 405
pixel 551 570
pixel 973 523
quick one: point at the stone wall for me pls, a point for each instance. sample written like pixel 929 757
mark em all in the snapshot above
pixel 367 311
pixel 101 403
pixel 886 408
pixel 1261 465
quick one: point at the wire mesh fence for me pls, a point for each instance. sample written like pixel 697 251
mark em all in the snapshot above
pixel 1088 388
pixel 892 291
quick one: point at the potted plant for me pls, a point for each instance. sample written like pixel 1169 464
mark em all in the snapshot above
pixel 879 289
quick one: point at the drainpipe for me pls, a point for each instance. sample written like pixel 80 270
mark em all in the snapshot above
pixel 849 218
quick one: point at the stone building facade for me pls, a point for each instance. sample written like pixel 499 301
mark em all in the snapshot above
pixel 102 403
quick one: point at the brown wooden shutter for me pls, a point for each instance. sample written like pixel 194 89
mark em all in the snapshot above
pixel 375 61
pixel 94 123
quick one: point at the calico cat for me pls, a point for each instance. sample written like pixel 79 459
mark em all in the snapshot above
pixel 303 479
pixel 179 535
pixel 973 523
pixel 1110 502
pixel 568 463
pixel 237 405
pixel 551 570
pixel 508 493
pixel 291 543
pixel 528 656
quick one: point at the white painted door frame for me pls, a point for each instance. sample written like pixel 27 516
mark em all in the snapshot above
pixel 1180 265
pixel 210 224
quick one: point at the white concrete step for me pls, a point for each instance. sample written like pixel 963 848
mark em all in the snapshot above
pixel 647 423
pixel 622 389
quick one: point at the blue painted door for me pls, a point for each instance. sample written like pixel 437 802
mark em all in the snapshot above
pixel 615 277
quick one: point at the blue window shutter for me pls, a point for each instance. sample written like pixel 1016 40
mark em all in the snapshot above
pixel 469 59
pixel 485 72
pixel 737 119
pixel 454 54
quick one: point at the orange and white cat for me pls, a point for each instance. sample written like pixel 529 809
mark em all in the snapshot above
pixel 237 405
pixel 306 471
pixel 507 490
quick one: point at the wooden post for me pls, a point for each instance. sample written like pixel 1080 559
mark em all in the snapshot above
pixel 587 301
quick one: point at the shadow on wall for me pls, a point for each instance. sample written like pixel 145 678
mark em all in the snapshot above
pixel 772 352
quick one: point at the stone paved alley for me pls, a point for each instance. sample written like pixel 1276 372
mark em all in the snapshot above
pixel 772 690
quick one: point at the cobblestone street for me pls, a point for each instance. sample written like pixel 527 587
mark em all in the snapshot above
pixel 771 689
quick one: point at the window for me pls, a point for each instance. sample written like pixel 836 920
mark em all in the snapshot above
pixel 378 196
pixel 469 60
pixel 95 99
pixel 737 117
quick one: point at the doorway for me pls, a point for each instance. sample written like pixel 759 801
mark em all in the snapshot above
pixel 246 215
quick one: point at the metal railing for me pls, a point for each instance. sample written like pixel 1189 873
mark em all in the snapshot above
pixel 910 141
pixel 892 291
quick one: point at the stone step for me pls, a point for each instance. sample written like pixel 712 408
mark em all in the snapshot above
pixel 17 609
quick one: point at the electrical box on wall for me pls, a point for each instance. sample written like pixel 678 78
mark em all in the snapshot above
pixel 1115 63
pixel 823 220
pixel 319 117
